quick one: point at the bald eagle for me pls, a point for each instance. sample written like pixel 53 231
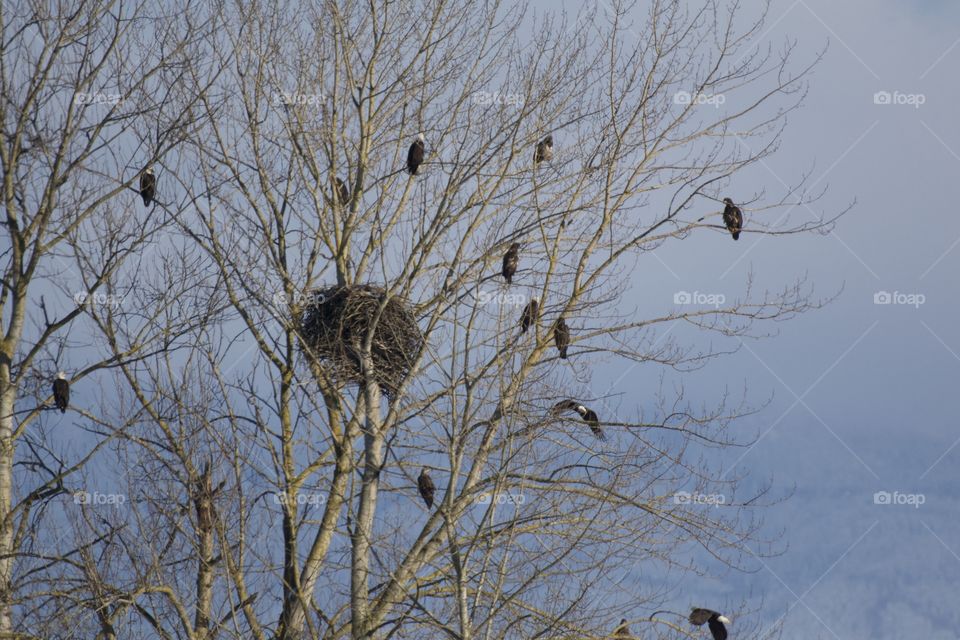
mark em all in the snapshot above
pixel 622 632
pixel 564 405
pixel 544 150
pixel 561 337
pixel 415 155
pixel 733 218
pixel 531 313
pixel 511 259
pixel 148 186
pixel 587 415
pixel 61 392
pixel 341 194
pixel 713 619
pixel 202 498
pixel 426 487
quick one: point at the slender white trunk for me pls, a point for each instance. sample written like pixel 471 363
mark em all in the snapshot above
pixel 321 542
pixel 363 527
pixel 7 397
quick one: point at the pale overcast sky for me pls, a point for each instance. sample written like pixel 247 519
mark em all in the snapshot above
pixel 863 393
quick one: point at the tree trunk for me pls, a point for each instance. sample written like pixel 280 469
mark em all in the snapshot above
pixel 363 528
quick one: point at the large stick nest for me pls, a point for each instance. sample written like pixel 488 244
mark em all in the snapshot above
pixel 336 321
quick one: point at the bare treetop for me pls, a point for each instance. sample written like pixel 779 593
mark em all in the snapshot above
pixel 366 261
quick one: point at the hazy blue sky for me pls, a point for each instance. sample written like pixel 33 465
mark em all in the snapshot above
pixel 863 392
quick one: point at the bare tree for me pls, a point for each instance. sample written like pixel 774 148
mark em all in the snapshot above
pixel 317 321
pixel 90 100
